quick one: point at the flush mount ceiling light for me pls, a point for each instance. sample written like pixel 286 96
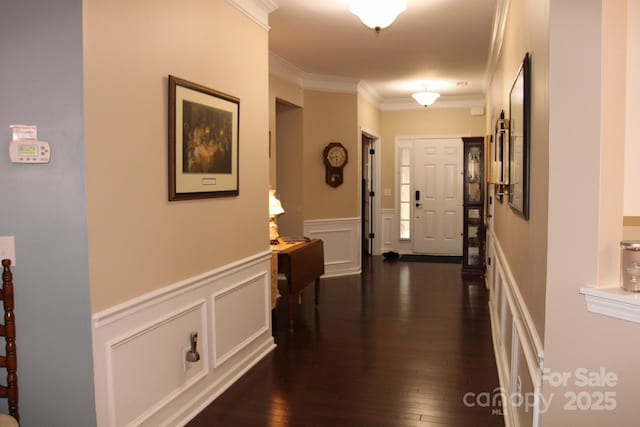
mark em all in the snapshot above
pixel 377 14
pixel 426 98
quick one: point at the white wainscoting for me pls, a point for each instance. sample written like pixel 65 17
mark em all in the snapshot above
pixel 342 244
pixel 387 230
pixel 139 347
pixel 517 344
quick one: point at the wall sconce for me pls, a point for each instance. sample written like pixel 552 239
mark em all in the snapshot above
pixel 426 98
pixel 499 177
pixel 377 14
pixel 275 209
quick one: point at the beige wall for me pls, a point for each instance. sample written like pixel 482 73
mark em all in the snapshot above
pixel 369 116
pixel 581 104
pixel 632 126
pixel 525 242
pixel 290 169
pixel 138 241
pixel 428 121
pixel 631 230
pixel 330 117
pixel 284 92
pixel 285 127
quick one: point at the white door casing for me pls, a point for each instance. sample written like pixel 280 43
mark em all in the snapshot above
pixel 438 166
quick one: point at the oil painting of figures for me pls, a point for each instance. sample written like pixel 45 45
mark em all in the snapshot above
pixel 206 139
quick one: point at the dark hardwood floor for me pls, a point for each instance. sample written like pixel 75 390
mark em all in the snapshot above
pixel 400 345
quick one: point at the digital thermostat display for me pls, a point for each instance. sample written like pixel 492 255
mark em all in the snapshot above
pixel 27 150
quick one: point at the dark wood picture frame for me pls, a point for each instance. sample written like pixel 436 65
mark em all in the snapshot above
pixel 204 153
pixel 520 139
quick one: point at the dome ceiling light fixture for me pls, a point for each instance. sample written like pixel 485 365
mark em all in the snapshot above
pixel 426 98
pixel 377 14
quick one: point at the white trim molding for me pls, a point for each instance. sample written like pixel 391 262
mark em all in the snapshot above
pixel 497 37
pixel 141 375
pixel 514 337
pixel 613 302
pixel 283 69
pixel 341 238
pixel 257 10
pixel 388 222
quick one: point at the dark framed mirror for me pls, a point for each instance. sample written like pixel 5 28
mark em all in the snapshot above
pixel 519 138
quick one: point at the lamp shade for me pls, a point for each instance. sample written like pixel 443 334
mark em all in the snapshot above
pixel 426 98
pixel 275 207
pixel 377 14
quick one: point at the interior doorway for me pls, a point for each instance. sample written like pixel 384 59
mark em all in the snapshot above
pixel 368 193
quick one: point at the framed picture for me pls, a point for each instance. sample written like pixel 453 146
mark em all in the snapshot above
pixel 519 139
pixel 203 142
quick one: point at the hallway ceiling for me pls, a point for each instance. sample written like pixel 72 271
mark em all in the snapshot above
pixel 442 40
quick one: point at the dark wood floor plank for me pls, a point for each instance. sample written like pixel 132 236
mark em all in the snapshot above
pixel 399 345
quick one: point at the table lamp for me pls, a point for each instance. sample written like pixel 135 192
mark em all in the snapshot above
pixel 275 209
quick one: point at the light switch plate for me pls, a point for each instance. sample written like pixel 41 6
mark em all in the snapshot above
pixel 8 249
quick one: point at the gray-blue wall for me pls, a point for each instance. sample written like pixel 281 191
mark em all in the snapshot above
pixel 44 207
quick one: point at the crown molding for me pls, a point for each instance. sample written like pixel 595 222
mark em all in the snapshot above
pixel 369 93
pixel 285 70
pixel 327 83
pixel 497 37
pixel 257 10
pixel 445 101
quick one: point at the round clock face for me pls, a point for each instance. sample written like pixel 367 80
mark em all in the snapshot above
pixel 336 156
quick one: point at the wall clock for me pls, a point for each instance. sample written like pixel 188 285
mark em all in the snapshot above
pixel 335 158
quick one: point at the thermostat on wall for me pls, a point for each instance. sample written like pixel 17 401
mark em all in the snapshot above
pixel 29 151
pixel 25 147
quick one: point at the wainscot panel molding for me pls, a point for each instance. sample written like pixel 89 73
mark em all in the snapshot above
pixel 390 240
pixel 141 374
pixel 387 229
pixel 341 238
pixel 516 341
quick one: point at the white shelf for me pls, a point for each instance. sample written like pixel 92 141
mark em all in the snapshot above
pixel 613 302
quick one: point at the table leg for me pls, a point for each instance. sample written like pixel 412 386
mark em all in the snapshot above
pixel 292 307
pixel 317 291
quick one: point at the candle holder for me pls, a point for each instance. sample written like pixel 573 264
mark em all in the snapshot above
pixel 630 265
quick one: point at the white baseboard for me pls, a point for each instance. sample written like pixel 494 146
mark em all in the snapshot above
pixel 139 347
pixel 342 244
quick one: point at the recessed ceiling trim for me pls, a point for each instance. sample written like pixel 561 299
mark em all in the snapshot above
pixel 497 36
pixel 443 102
pixel 281 68
pixel 257 10
pixel 369 93
pixel 326 83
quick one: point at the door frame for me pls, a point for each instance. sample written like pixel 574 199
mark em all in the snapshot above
pixel 376 244
pixel 407 245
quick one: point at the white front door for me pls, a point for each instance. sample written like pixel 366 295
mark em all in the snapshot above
pixel 438 196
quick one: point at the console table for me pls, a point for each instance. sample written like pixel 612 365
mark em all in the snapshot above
pixel 301 263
